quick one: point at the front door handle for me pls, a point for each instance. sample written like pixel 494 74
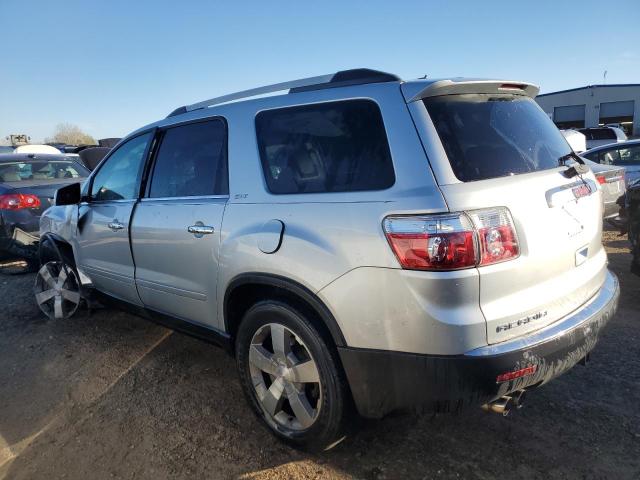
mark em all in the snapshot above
pixel 200 229
pixel 115 226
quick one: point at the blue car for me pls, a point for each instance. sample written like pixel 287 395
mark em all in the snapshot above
pixel 28 183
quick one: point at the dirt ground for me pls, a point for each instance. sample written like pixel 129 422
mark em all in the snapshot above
pixel 109 395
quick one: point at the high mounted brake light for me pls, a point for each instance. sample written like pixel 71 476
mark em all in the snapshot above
pixel 452 241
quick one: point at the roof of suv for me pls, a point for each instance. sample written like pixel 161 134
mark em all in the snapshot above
pixel 413 90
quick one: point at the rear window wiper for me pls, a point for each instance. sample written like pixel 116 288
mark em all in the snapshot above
pixel 579 169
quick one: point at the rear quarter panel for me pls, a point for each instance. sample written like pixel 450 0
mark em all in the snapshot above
pixel 325 235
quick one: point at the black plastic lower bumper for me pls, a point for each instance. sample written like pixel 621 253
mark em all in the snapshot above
pixel 383 381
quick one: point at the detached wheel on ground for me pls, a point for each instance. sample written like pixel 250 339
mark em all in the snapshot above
pixel 291 376
pixel 57 290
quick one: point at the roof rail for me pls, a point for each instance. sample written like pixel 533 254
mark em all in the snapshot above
pixel 357 76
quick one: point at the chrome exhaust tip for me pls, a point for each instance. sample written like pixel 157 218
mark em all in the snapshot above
pixel 504 404
pixel 501 406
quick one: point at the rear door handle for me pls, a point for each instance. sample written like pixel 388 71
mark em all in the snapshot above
pixel 115 226
pixel 200 229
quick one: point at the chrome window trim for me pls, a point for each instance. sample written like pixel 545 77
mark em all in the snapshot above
pixel 183 198
pixel 105 202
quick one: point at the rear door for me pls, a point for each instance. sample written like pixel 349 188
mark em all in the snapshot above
pixel 175 235
pixel 104 221
pixel 504 152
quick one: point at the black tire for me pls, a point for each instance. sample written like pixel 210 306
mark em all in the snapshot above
pixel 329 427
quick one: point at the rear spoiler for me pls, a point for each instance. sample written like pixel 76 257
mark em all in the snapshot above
pixel 414 91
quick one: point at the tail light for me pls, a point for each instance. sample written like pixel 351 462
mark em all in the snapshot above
pixel 496 234
pixel 432 243
pixel 452 241
pixel 601 179
pixel 18 201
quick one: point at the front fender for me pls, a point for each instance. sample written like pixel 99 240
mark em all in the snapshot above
pixel 60 220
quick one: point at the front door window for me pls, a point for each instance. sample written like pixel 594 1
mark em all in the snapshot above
pixel 119 177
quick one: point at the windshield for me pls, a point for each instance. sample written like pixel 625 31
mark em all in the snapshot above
pixel 29 171
pixel 489 136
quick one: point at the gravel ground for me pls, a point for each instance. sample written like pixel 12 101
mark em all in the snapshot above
pixel 109 395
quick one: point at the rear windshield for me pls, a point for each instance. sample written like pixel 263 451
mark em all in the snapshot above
pixel 490 136
pixel 30 171
pixel 599 133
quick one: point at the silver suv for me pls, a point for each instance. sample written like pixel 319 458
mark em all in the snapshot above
pixel 358 241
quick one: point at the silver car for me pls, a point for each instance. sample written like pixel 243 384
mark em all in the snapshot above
pixel 613 183
pixel 359 240
pixel 624 155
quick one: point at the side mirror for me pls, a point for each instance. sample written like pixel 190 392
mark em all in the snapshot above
pixel 69 195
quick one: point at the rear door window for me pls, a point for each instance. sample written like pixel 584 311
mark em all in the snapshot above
pixel 609 157
pixel 629 155
pixel 489 136
pixel 328 147
pixel 599 133
pixel 191 161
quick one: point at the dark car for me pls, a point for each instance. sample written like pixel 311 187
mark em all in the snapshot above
pixel 28 183
pixel 633 213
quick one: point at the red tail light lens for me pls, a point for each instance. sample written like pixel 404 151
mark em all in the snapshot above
pixel 601 179
pixel 439 242
pixel 497 237
pixel 452 241
pixel 18 201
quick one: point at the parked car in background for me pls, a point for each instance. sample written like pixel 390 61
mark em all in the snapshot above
pixel 597 136
pixel 576 140
pixel 632 207
pixel 613 185
pixel 625 155
pixel 6 149
pixel 359 240
pixel 60 146
pixel 28 183
pixel 91 157
pixel 109 142
pixel 35 148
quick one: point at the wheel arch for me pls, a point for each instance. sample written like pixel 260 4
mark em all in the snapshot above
pixel 52 246
pixel 247 289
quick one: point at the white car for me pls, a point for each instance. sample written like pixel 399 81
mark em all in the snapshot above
pixel 576 140
pixel 37 149
pixel 603 135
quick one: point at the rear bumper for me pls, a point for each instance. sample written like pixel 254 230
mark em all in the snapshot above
pixel 383 381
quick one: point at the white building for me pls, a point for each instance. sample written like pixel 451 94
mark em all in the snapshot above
pixel 595 105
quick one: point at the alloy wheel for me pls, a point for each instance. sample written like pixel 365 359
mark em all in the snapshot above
pixel 57 290
pixel 285 377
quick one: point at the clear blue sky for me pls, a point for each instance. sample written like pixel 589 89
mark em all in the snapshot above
pixel 112 66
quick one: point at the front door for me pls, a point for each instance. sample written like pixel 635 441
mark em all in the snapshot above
pixel 175 233
pixel 104 253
